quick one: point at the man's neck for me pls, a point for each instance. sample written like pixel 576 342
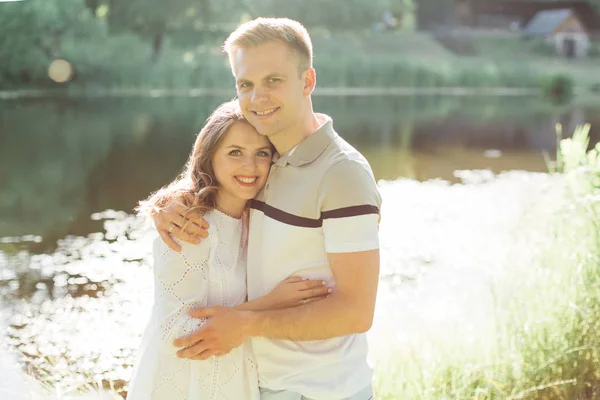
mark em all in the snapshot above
pixel 285 141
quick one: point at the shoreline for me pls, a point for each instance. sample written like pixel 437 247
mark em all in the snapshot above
pixel 323 91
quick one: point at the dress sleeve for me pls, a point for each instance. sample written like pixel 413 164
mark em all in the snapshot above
pixel 181 281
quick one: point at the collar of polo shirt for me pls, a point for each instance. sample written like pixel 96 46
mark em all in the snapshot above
pixel 310 148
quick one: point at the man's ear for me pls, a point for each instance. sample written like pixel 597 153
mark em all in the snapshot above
pixel 310 81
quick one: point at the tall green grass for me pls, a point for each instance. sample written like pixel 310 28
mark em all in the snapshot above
pixel 126 63
pixel 542 337
pixel 356 70
pixel 210 70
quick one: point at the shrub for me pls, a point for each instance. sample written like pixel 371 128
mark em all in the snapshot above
pixel 558 87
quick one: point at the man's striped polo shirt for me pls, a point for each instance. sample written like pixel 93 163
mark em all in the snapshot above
pixel 319 198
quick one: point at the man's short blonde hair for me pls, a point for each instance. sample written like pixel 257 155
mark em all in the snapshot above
pixel 264 30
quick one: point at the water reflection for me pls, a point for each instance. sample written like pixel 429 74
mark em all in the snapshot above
pixel 77 157
pixel 77 314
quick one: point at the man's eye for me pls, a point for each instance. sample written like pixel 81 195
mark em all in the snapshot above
pixel 245 85
pixel 274 80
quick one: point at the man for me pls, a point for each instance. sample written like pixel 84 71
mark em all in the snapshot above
pixel 317 217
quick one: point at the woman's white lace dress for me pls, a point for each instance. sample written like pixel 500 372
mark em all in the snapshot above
pixel 211 273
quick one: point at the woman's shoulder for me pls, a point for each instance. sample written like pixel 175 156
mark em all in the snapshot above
pixel 217 217
pixel 218 223
pixel 162 250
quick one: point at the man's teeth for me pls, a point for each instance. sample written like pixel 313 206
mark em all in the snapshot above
pixel 246 180
pixel 265 112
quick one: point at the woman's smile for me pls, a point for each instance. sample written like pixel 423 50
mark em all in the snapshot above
pixel 246 181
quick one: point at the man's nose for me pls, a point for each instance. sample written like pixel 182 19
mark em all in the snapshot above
pixel 259 94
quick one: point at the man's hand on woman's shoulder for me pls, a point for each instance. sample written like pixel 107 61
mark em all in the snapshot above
pixel 176 222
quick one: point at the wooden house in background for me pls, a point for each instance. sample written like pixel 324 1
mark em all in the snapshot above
pixel 511 14
pixel 561 28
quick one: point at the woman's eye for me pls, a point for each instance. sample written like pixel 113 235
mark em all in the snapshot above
pixel 263 154
pixel 235 153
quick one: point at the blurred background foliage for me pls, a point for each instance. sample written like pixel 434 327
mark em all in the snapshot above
pixel 176 44
pixel 109 41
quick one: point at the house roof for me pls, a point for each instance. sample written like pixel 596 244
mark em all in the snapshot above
pixel 546 22
pixel 527 9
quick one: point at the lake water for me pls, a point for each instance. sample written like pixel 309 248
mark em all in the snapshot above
pixel 65 162
pixel 62 160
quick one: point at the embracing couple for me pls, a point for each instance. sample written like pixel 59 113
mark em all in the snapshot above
pixel 267 265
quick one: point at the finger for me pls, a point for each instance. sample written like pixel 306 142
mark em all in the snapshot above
pixel 179 208
pixel 198 230
pixel 188 340
pixel 205 355
pixel 169 241
pixel 196 217
pixel 316 292
pixel 168 218
pixel 186 237
pixel 192 351
pixel 204 224
pixel 203 312
pixel 310 284
pixel 180 215
pixel 194 229
pixel 177 221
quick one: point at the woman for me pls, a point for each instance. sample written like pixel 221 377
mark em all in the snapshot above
pixel 228 166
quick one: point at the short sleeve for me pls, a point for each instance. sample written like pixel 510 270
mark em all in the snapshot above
pixel 350 204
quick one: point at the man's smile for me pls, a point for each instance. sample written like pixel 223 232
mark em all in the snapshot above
pixel 265 113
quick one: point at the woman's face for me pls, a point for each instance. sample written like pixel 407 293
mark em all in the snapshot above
pixel 241 163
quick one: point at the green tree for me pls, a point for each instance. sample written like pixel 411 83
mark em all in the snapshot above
pixel 154 19
pixel 340 15
pixel 32 33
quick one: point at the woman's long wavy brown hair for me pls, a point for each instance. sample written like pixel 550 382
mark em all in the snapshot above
pixel 197 186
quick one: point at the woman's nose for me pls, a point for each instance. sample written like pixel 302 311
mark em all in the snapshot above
pixel 250 163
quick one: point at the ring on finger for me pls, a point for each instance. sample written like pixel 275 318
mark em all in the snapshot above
pixel 171 228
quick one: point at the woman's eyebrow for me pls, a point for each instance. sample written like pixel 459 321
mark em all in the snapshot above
pixel 235 146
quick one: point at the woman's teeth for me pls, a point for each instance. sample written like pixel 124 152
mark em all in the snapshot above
pixel 245 180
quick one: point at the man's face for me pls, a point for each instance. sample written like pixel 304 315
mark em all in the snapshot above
pixel 270 89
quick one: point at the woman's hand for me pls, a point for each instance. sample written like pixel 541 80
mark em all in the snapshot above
pixel 176 222
pixel 296 291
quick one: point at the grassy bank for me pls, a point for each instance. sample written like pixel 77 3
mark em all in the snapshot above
pixel 209 69
pixel 539 339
